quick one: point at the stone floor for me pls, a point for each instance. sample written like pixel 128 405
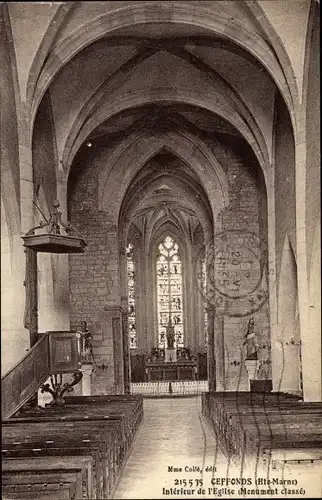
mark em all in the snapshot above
pixel 172 434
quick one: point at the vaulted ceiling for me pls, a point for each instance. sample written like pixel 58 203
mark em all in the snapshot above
pixel 113 73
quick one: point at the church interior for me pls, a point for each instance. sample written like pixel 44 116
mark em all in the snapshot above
pixel 160 248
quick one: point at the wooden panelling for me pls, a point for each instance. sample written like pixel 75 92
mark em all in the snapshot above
pixel 21 382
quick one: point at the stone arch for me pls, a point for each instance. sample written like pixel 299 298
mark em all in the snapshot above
pixel 232 108
pixel 257 12
pixel 174 12
pixel 63 12
pixel 142 149
pixel 161 95
pixel 182 189
pixel 313 22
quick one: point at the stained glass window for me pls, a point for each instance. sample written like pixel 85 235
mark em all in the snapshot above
pixel 131 295
pixel 169 291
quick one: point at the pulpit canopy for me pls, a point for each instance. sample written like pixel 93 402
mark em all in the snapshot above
pixel 54 236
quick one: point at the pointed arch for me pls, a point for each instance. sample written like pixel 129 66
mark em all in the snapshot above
pixel 173 12
pixel 137 151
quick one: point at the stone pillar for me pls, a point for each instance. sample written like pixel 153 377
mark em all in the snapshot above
pixel 87 370
pixel 310 339
pixel 31 284
pixel 126 352
pixel 212 375
pixel 15 339
pixel 220 351
pixel 251 366
pixel 108 350
pixel 118 353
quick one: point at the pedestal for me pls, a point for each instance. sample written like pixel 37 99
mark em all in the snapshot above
pixel 170 355
pixel 251 367
pixel 87 370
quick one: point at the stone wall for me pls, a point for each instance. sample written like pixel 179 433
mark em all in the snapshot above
pixel 94 280
pixel 245 215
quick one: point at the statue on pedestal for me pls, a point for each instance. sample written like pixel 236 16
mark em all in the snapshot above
pixel 249 341
pixel 170 335
pixel 85 342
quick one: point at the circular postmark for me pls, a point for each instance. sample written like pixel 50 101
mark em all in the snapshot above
pixel 232 275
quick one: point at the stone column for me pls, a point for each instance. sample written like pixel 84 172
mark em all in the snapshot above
pixel 126 352
pixel 211 350
pixel 87 370
pixel 220 352
pixel 31 284
pixel 310 338
pixel 109 351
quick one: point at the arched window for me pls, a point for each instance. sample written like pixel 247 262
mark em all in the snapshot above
pixel 131 295
pixel 169 291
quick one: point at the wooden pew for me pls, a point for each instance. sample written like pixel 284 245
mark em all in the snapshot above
pixel 43 491
pixel 55 435
pixel 89 414
pixel 11 482
pixel 100 414
pixel 81 464
pixel 249 424
pixel 128 412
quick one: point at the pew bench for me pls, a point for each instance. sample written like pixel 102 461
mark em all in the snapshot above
pixel 81 464
pixel 250 424
pixel 27 478
pixel 54 491
pixel 99 428
pixel 100 438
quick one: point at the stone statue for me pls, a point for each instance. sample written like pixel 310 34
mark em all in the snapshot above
pixel 249 340
pixel 85 341
pixel 170 335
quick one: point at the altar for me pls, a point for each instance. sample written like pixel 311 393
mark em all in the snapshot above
pixel 170 363
pixel 160 371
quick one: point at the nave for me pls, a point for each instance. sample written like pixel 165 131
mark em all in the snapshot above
pixel 228 445
pixel 172 433
pixel 175 433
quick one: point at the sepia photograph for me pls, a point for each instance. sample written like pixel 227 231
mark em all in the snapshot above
pixel 160 250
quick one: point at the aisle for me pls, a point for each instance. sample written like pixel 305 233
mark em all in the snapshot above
pixel 172 434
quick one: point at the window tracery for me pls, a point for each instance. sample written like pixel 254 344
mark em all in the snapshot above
pixel 169 291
